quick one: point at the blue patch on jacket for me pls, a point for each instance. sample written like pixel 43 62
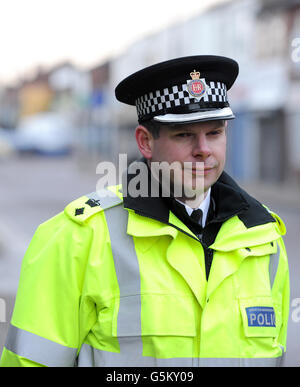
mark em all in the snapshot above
pixel 261 316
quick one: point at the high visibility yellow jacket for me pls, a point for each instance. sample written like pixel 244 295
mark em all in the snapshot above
pixel 103 284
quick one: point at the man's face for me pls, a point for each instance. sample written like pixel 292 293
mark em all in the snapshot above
pixel 203 142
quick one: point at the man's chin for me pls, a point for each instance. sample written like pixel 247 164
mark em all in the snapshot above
pixel 198 189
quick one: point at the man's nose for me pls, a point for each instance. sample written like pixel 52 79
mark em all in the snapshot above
pixel 201 147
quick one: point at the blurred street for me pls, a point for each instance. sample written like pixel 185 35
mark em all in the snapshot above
pixel 33 189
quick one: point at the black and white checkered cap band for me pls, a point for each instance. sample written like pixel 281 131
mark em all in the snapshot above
pixel 167 99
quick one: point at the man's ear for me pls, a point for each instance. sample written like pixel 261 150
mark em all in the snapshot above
pixel 144 141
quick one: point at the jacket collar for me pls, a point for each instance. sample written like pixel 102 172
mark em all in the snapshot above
pixel 240 238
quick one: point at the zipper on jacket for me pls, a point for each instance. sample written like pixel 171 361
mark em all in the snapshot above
pixel 208 255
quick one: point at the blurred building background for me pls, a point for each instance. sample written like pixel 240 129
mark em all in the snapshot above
pixel 59 123
pixel 260 34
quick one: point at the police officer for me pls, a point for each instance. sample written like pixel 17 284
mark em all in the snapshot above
pixel 196 278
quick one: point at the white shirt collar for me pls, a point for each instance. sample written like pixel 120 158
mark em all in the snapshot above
pixel 204 206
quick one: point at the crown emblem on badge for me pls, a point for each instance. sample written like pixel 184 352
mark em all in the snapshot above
pixel 195 75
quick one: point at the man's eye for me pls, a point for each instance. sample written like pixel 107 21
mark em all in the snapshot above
pixel 183 135
pixel 214 132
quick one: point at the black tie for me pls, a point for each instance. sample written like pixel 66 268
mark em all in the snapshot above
pixel 197 216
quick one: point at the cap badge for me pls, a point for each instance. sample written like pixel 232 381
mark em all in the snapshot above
pixel 196 87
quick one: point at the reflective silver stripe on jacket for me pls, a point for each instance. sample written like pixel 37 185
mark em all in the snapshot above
pixel 240 362
pixel 273 265
pixel 129 317
pixel 39 349
pixel 92 357
pixel 126 265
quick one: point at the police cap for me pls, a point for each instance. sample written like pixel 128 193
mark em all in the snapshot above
pixel 181 90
